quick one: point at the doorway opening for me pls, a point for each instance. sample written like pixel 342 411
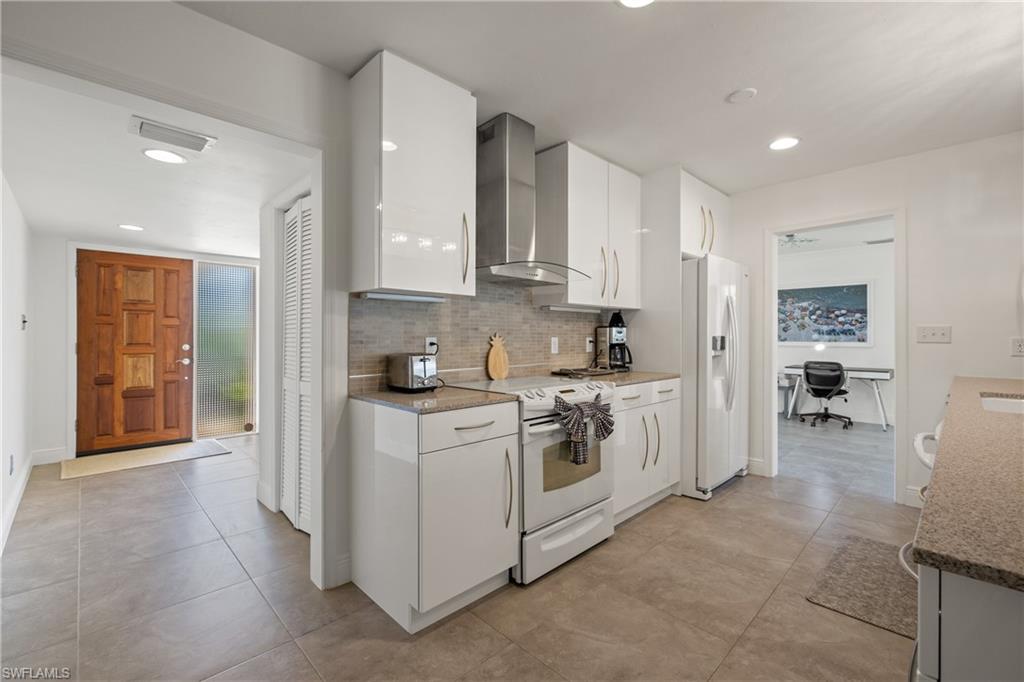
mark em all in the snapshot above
pixel 834 290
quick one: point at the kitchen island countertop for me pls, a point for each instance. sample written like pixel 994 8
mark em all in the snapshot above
pixel 440 400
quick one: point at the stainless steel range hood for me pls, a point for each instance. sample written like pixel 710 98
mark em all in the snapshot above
pixel 507 247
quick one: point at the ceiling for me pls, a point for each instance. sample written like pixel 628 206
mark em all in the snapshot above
pixel 858 82
pixel 844 236
pixel 77 171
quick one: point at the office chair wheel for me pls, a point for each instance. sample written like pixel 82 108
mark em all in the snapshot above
pixel 814 424
pixel 845 427
pixel 802 420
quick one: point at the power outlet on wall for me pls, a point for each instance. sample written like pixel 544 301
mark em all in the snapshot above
pixel 1017 346
pixel 934 333
pixel 554 345
pixel 430 345
pixel 590 344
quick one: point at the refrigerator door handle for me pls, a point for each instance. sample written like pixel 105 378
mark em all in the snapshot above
pixel 731 350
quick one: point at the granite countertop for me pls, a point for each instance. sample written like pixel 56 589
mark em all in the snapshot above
pixel 972 523
pixel 440 400
pixel 629 378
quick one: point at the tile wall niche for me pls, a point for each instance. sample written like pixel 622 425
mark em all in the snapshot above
pixel 463 326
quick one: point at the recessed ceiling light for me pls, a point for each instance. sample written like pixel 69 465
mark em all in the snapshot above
pixel 782 143
pixel 635 4
pixel 388 145
pixel 737 96
pixel 131 228
pixel 164 156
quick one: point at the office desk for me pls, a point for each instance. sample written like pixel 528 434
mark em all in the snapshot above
pixel 869 375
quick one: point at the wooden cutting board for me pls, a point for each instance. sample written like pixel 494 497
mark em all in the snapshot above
pixel 497 359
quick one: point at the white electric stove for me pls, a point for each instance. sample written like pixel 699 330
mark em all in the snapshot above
pixel 565 508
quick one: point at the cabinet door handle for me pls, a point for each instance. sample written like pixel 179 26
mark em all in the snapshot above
pixel 511 488
pixel 615 255
pixel 474 426
pixel 647 442
pixel 631 397
pixel 657 426
pixel 713 230
pixel 465 248
pixel 604 268
pixel 666 390
pixel 703 227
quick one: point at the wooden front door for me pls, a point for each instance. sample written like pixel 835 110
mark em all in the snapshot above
pixel 134 351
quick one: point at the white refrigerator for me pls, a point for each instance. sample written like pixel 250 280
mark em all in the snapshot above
pixel 715 374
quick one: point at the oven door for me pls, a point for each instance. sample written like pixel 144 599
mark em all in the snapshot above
pixel 554 487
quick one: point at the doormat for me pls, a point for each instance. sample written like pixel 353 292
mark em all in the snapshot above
pixel 143 457
pixel 864 580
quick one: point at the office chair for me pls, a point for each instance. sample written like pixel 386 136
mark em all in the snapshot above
pixel 825 381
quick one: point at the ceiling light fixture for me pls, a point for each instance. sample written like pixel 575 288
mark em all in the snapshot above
pixel 164 156
pixel 635 4
pixel 738 96
pixel 782 143
pixel 388 145
pixel 131 228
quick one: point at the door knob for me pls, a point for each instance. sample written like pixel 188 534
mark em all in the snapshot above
pixel 185 361
pixel 185 346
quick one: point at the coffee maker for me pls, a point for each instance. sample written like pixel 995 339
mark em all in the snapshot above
pixel 611 351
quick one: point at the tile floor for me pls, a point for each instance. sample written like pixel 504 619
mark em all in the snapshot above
pixel 176 572
pixel 859 459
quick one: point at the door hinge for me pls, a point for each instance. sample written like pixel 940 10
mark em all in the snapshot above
pixel 76 426
pixel 76 347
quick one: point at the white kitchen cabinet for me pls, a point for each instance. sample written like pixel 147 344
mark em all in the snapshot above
pixel 588 217
pixel 413 181
pixel 469 517
pixel 675 200
pixel 623 238
pixel 647 442
pixel 433 531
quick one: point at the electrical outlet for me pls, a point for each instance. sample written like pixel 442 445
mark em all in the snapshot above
pixel 1017 346
pixel 590 344
pixel 430 345
pixel 554 345
pixel 934 333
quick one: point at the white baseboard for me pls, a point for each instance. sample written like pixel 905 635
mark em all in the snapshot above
pixel 265 494
pixel 342 571
pixel 911 497
pixel 11 505
pixel 49 456
pixel 758 467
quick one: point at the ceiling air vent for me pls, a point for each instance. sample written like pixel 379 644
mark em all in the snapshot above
pixel 161 132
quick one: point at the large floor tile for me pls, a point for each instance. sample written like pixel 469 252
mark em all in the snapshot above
pixel 615 554
pixel 607 635
pixel 39 619
pixel 117 513
pixel 235 455
pixel 301 605
pixel 130 483
pixel 512 664
pixel 225 492
pixel 718 598
pixel 49 529
pixel 792 639
pixel 201 475
pixel 665 517
pixel 791 490
pixel 361 646
pixel 145 540
pixel 32 567
pixel 838 526
pixel 47 499
pixel 880 509
pixel 62 656
pixel 765 511
pixel 269 549
pixel 241 517
pixel 450 650
pixel 286 662
pixel 803 575
pixel 191 640
pixel 112 595
pixel 516 609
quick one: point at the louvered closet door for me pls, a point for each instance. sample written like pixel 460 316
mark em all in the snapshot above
pixel 296 365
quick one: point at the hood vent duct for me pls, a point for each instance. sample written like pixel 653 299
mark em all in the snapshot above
pixel 507 247
pixel 168 134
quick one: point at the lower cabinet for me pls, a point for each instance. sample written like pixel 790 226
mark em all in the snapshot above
pixel 647 441
pixel 435 507
pixel 469 517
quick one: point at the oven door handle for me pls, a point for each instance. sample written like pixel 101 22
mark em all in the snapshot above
pixel 542 429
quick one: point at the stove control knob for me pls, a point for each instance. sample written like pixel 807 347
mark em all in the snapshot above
pixel 528 394
pixel 540 393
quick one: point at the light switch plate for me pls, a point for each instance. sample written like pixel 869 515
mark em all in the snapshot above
pixel 934 333
pixel 554 345
pixel 1017 346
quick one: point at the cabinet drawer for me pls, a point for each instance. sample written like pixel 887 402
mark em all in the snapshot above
pixel 461 427
pixel 628 397
pixel 665 390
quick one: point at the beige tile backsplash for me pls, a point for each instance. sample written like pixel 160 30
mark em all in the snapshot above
pixel 463 326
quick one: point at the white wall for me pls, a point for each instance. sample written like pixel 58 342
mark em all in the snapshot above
pixel 236 77
pixel 964 258
pixel 14 353
pixel 872 264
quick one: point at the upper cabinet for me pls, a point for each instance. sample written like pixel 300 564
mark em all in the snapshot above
pixel 413 181
pixel 589 210
pixel 704 215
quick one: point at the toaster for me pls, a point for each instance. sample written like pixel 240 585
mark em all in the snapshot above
pixel 412 372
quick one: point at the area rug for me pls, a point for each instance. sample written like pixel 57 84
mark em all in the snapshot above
pixel 143 457
pixel 864 580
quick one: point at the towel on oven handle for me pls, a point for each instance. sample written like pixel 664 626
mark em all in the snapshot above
pixel 573 418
